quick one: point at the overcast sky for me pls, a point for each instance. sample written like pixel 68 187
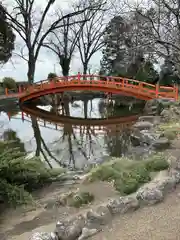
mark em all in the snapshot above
pixel 17 68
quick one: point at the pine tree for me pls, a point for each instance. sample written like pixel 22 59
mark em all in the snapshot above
pixel 7 37
pixel 125 50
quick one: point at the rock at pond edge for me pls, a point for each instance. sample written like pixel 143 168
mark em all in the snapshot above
pixel 44 236
pixel 123 205
pixel 86 233
pixel 70 229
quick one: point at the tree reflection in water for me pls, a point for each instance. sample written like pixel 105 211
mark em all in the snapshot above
pixel 79 147
pixel 79 143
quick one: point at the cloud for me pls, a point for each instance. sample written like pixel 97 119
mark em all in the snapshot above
pixel 17 68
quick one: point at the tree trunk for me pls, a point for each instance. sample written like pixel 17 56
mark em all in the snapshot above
pixel 85 68
pixel 31 69
pixel 65 65
pixel 65 72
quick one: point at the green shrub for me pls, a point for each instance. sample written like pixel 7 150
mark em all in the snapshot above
pixel 80 199
pixel 52 75
pixel 156 163
pixel 104 173
pixel 132 179
pixel 9 83
pixel 170 134
pixel 126 186
pixel 20 176
pixel 128 175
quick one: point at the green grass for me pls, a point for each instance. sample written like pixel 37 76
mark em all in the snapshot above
pixel 170 134
pixel 169 130
pixel 128 175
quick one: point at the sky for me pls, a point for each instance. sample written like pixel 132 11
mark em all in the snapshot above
pixel 17 68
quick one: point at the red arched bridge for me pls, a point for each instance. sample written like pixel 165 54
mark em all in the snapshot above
pixel 116 85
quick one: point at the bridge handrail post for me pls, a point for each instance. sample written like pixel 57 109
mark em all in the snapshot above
pixel 157 90
pixel 19 89
pixel 122 82
pixel 107 80
pixel 176 92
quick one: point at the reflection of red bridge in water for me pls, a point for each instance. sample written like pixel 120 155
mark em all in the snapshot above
pixel 116 85
pixel 44 118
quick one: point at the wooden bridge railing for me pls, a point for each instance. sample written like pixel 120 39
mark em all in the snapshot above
pixel 153 91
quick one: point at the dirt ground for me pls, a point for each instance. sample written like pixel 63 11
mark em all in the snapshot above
pixel 159 222
pixel 19 223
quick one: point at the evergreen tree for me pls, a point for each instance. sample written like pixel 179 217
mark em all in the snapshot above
pixel 125 53
pixel 168 74
pixel 7 37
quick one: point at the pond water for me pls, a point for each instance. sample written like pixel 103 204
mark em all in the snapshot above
pixel 74 135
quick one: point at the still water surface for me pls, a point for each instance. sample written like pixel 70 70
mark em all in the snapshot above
pixel 75 144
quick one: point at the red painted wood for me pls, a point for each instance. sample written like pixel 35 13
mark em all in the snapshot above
pixel 118 85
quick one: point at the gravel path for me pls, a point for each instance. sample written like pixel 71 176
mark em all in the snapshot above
pixel 159 222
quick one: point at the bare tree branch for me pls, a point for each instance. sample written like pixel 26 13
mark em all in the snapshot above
pixel 33 33
pixel 90 40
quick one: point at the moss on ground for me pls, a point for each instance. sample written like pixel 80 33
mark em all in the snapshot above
pixel 128 175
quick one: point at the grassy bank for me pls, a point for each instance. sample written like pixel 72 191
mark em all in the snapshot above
pixel 128 175
pixel 169 130
pixel 19 176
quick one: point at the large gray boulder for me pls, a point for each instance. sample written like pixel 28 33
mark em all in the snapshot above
pixel 86 233
pixel 161 143
pixel 166 184
pixel 149 196
pixel 171 113
pixel 143 125
pixel 123 205
pixel 154 192
pixel 100 216
pixel 150 118
pixel 70 229
pixel 155 106
pixel 143 137
pixel 44 236
pixel 175 174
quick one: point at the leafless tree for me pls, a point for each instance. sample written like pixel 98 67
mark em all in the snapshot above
pixel 30 26
pixel 63 43
pixel 90 40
